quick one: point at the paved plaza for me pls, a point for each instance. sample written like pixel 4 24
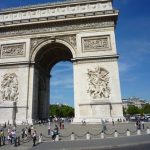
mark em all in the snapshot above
pixel 80 133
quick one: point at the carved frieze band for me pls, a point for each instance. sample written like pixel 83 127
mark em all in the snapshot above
pixel 96 43
pixel 50 11
pixel 58 27
pixel 98 80
pixel 13 50
pixel 9 87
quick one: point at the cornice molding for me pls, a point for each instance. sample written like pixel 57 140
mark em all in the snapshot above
pixel 104 58
pixel 61 26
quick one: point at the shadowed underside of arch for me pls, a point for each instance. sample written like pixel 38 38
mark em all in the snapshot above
pixel 52 53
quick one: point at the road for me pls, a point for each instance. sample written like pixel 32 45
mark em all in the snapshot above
pixel 141 142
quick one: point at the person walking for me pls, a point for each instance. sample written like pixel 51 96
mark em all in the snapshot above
pixel 143 126
pixel 49 130
pixel 2 136
pixel 34 138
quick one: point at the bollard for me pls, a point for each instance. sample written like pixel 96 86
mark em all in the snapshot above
pixel 128 132
pixel 18 140
pixel 102 135
pixel 72 136
pixel 88 136
pixel 57 137
pixel 116 133
pixel 148 130
pixel 138 132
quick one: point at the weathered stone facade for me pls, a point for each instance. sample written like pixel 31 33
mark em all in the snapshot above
pixel 33 39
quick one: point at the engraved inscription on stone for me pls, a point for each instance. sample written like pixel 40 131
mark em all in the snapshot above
pixel 96 43
pixel 98 80
pixel 9 87
pixel 13 50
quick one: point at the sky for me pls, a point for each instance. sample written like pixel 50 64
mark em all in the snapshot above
pixel 133 46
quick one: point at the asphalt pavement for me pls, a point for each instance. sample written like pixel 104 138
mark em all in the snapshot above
pixel 98 144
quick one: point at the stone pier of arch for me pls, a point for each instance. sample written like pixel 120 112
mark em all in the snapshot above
pixel 34 38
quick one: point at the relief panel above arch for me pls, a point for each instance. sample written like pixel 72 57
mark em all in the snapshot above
pixel 96 44
pixel 14 51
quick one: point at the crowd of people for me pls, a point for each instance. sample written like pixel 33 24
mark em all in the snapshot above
pixel 9 133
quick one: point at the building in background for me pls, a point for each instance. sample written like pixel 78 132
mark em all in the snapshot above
pixel 135 101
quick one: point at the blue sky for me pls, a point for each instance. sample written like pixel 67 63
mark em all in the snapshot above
pixel 133 46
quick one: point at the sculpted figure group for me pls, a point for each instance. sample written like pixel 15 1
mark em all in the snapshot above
pixel 9 87
pixel 98 83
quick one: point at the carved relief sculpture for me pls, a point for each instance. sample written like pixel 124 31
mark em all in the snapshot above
pixel 71 39
pixel 96 43
pixel 13 50
pixel 98 83
pixel 9 87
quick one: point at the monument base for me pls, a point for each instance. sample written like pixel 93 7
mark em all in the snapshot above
pixel 98 120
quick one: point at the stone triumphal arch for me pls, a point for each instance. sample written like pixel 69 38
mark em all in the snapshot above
pixel 34 38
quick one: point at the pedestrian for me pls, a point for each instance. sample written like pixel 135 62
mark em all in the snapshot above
pixel 62 126
pixel 34 138
pixel 26 132
pixel 49 121
pixel 5 125
pixel 40 138
pixel 56 129
pixel 113 122
pixel 60 123
pixel 13 135
pixel 104 128
pixel 143 126
pixel 49 130
pixel 23 133
pixel 29 131
pixel 53 135
pixel 9 138
pixel 2 136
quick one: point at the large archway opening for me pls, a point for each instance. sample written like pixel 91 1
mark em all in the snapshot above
pixel 49 57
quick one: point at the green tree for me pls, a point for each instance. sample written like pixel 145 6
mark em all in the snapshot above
pixel 61 111
pixel 146 109
pixel 133 110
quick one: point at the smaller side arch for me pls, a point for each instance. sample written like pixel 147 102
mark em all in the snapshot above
pixel 44 43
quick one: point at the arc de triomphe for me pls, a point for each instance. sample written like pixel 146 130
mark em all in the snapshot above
pixel 34 38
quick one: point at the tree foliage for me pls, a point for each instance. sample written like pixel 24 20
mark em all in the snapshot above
pixel 132 110
pixel 61 111
pixel 146 109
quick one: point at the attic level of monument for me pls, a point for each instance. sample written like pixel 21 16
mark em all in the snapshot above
pixel 79 10
pixel 52 4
